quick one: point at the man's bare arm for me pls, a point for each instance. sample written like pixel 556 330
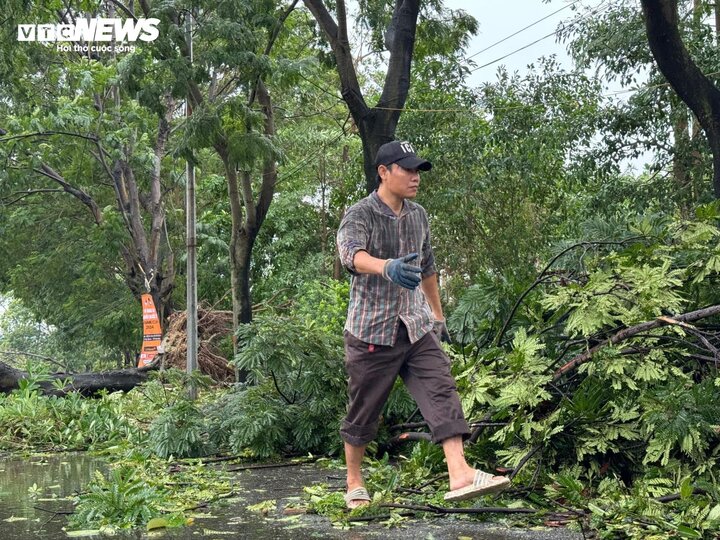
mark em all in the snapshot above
pixel 365 263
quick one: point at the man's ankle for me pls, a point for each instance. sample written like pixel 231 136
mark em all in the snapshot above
pixel 354 482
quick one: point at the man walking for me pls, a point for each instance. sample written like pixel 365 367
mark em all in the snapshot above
pixel 395 323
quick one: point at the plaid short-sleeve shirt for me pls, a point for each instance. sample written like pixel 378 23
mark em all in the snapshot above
pixel 376 304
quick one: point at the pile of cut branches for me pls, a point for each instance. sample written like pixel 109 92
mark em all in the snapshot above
pixel 212 327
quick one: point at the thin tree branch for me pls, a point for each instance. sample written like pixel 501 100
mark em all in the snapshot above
pixel 478 510
pixel 81 195
pixel 524 460
pixel 48 134
pixel 541 277
pixel 627 333
pixel 351 91
pixel 22 194
pixel 270 465
pixel 124 8
pixel 277 387
pixel 40 356
pixel 694 331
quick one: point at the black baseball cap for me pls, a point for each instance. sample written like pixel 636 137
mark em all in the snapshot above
pixel 402 153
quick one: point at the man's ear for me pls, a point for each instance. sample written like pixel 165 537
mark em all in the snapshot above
pixel 383 170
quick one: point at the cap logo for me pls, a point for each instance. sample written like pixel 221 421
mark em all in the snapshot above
pixel 407 147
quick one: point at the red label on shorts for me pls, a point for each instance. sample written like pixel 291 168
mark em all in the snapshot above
pixel 371 348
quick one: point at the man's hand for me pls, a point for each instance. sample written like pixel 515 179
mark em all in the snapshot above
pixel 400 272
pixel 441 331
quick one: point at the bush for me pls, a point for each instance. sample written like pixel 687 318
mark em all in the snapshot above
pixel 31 420
pixel 120 500
pixel 179 431
pixel 295 394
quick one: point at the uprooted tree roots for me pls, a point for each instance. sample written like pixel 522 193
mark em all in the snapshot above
pixel 212 327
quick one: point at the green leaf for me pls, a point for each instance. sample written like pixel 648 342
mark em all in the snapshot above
pixel 687 532
pixel 714 514
pixel 686 488
pixel 595 509
pixel 157 523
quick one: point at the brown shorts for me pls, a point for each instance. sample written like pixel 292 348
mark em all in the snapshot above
pixel 425 370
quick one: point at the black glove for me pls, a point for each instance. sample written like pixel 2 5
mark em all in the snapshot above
pixel 441 331
pixel 400 272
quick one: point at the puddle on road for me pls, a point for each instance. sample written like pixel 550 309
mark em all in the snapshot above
pixel 34 493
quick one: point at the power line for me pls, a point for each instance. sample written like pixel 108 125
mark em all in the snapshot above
pixel 522 30
pixel 595 11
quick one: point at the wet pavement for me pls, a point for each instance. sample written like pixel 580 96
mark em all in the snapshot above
pixel 34 504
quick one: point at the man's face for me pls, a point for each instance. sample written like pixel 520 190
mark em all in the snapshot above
pixel 400 181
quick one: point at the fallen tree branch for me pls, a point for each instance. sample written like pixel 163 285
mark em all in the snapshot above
pixel 270 465
pixel 55 512
pixel 410 425
pixel 205 504
pixel 524 460
pixel 677 496
pixel 543 277
pixel 410 436
pixel 216 459
pixel 475 435
pixel 84 383
pixel 477 510
pixel 697 333
pixel 374 518
pixel 628 333
pixel 432 480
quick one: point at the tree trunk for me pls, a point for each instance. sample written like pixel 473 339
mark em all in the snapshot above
pixel 150 269
pixel 247 215
pixel 242 240
pixel 236 215
pixel 375 130
pixel 84 383
pixel 377 125
pixel 675 63
pixel 241 246
pixel 681 143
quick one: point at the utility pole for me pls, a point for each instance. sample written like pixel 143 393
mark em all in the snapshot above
pixel 192 330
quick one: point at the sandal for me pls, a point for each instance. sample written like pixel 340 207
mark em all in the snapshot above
pixel 359 494
pixel 483 484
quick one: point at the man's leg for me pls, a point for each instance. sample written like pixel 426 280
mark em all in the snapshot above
pixel 427 375
pixel 372 371
pixel 353 459
pixel 461 474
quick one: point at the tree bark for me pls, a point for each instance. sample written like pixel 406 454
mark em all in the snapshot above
pixel 376 125
pixel 675 63
pixel 84 383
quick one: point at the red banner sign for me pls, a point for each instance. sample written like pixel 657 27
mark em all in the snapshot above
pixel 152 334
